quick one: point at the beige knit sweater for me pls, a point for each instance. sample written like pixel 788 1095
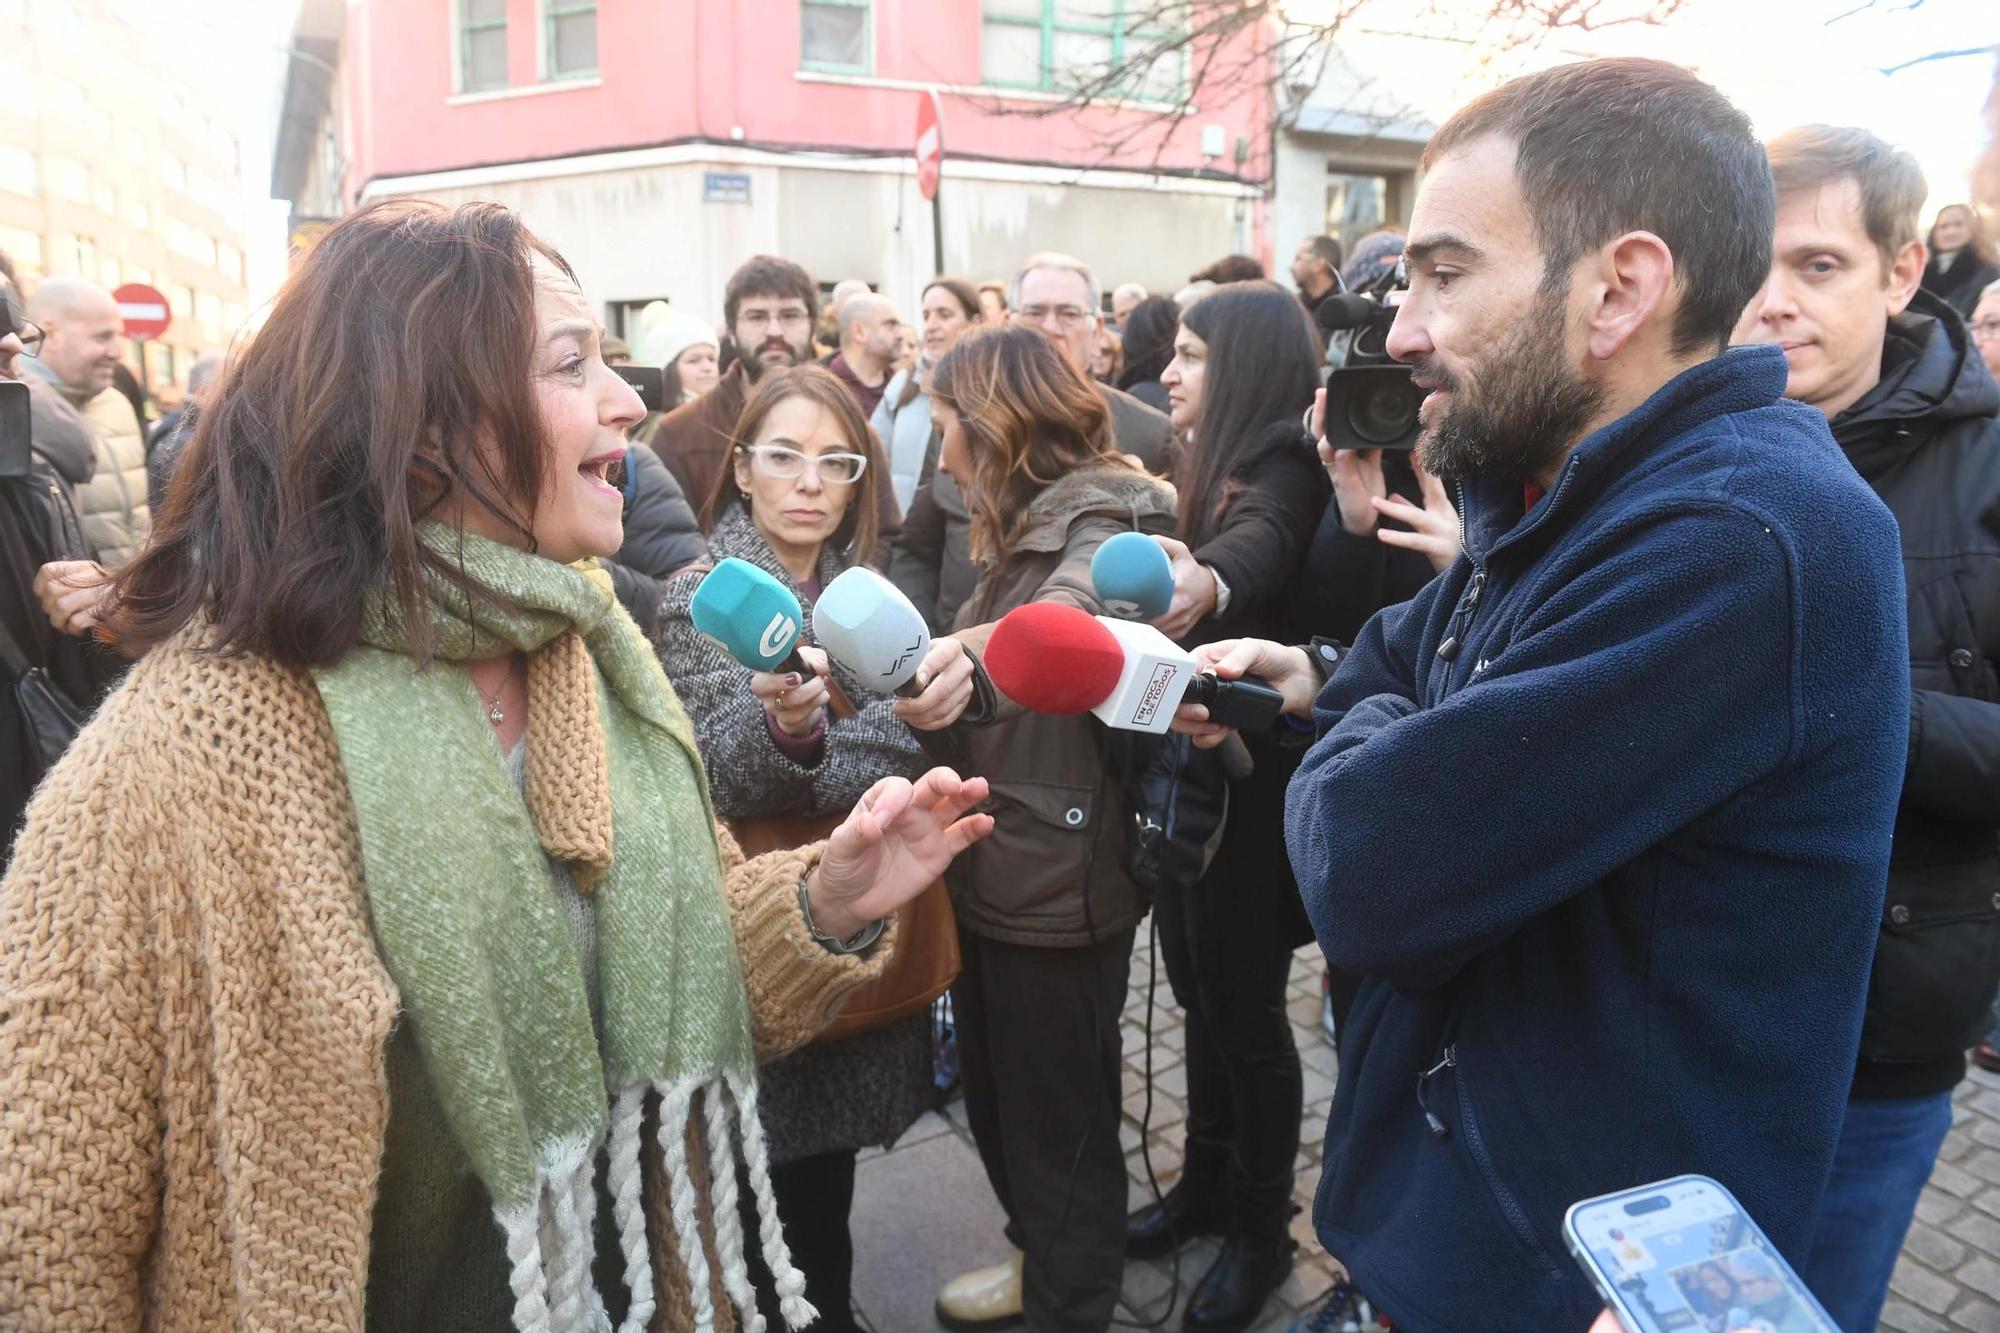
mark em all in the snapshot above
pixel 193 1016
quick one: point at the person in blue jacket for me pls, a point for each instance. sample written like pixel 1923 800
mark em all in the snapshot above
pixel 1602 815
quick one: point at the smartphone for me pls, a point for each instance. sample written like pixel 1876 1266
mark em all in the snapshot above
pixel 16 455
pixel 1682 1254
pixel 650 381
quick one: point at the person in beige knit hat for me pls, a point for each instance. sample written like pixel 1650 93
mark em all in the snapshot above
pixel 373 960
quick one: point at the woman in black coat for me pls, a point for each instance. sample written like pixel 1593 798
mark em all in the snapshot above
pixel 1962 262
pixel 1243 372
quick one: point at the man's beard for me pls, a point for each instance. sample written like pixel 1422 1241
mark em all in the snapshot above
pixel 1529 407
pixel 755 365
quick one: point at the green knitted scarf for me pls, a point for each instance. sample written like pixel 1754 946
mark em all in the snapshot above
pixel 468 917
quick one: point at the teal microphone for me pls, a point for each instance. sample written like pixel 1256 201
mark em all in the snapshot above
pixel 1132 577
pixel 751 616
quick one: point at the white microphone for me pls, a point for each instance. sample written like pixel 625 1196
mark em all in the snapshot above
pixel 866 624
pixel 1150 685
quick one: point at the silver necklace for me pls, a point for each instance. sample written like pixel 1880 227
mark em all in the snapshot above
pixel 494 712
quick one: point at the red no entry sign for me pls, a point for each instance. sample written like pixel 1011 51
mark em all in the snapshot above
pixel 930 143
pixel 145 310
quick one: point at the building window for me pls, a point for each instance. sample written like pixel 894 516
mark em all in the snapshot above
pixel 22 246
pixel 18 171
pixel 569 40
pixel 1056 45
pixel 70 179
pixel 1360 202
pixel 836 35
pixel 482 45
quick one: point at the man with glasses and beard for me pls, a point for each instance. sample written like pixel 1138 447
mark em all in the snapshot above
pixel 769 305
pixel 1601 816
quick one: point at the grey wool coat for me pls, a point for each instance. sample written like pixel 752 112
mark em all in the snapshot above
pixel 830 1095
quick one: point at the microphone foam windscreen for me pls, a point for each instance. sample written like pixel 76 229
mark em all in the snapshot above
pixel 1132 577
pixel 869 627
pixel 1051 658
pixel 751 615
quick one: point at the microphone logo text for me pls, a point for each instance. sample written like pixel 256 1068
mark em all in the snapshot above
pixel 777 634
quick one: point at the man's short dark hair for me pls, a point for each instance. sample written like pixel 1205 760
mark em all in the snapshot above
pixel 1892 184
pixel 1604 147
pixel 1230 268
pixel 768 275
pixel 1327 250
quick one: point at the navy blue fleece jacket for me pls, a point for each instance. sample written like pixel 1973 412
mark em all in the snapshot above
pixel 1602 816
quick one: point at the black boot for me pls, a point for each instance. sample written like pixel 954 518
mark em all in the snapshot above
pixel 1197 1205
pixel 1232 1293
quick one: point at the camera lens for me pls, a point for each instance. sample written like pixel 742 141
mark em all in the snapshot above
pixel 1385 412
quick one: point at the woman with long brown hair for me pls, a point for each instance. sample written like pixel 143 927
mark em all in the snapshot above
pixel 795 502
pixel 1046 920
pixel 377 930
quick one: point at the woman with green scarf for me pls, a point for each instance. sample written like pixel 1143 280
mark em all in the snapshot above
pixel 373 959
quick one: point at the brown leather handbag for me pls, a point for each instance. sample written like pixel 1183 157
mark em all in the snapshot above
pixel 925 962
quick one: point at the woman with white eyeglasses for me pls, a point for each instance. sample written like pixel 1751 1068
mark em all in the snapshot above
pixel 796 501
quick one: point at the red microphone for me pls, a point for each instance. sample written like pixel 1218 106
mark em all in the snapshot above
pixel 1052 658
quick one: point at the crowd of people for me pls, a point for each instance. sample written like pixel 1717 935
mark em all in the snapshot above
pixel 416 917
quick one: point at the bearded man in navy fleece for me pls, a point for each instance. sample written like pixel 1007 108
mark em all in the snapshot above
pixel 1602 815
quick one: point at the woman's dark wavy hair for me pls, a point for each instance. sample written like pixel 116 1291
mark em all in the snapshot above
pixel 1029 418
pixel 395 368
pixel 1148 340
pixel 1262 370
pixel 861 525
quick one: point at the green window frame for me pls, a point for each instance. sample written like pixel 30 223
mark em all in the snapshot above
pixel 867 62
pixel 552 10
pixel 468 28
pixel 1116 25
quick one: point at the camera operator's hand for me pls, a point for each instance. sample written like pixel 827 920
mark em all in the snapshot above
pixel 75 594
pixel 946 674
pixel 1284 668
pixel 1356 474
pixel 1194 590
pixel 1434 527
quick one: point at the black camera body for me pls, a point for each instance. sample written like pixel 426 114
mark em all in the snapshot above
pixel 1370 400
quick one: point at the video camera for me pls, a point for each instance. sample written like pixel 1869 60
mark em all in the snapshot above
pixel 1370 401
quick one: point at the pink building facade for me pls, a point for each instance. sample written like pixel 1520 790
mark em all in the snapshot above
pixel 658 143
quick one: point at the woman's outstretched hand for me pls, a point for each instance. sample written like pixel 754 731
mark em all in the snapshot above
pixel 892 846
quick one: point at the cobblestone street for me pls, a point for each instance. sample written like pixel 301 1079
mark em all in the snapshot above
pixel 923 1212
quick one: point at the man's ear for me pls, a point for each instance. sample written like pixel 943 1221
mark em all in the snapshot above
pixel 1900 288
pixel 1628 284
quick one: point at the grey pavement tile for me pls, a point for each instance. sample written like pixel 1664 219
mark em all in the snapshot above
pixel 922 1215
pixel 1984 1163
pixel 1980 1275
pixel 1902 1317
pixel 1951 1180
pixel 1979 1231
pixel 1933 1248
pixel 1923 1288
pixel 1937 1208
pixel 1978 1315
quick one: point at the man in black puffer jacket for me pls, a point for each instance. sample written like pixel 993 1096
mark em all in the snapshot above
pixel 1913 408
pixel 661 537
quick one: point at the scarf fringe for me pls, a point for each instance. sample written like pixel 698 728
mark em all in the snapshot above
pixel 789 1281
pixel 550 1244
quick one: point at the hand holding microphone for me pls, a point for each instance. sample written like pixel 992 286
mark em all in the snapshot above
pixel 1279 667
pixel 751 616
pixel 870 628
pixel 794 702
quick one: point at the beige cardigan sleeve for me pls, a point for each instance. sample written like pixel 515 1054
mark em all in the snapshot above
pixel 80 1053
pixel 796 986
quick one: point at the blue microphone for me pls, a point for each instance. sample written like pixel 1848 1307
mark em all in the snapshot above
pixel 751 616
pixel 1133 577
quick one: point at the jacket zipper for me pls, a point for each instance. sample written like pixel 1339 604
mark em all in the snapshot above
pixel 1460 624
pixel 1510 1207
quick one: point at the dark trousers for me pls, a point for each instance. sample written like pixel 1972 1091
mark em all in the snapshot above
pixel 814 1197
pixel 1038 1046
pixel 1227 947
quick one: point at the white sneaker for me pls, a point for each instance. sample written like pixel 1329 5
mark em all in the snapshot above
pixel 984 1298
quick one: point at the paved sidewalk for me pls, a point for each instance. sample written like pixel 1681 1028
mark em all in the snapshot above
pixel 923 1213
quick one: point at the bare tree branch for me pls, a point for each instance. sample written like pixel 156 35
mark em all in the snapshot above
pixel 1941 55
pixel 1213 52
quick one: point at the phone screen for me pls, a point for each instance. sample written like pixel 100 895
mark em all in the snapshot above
pixel 1683 1255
